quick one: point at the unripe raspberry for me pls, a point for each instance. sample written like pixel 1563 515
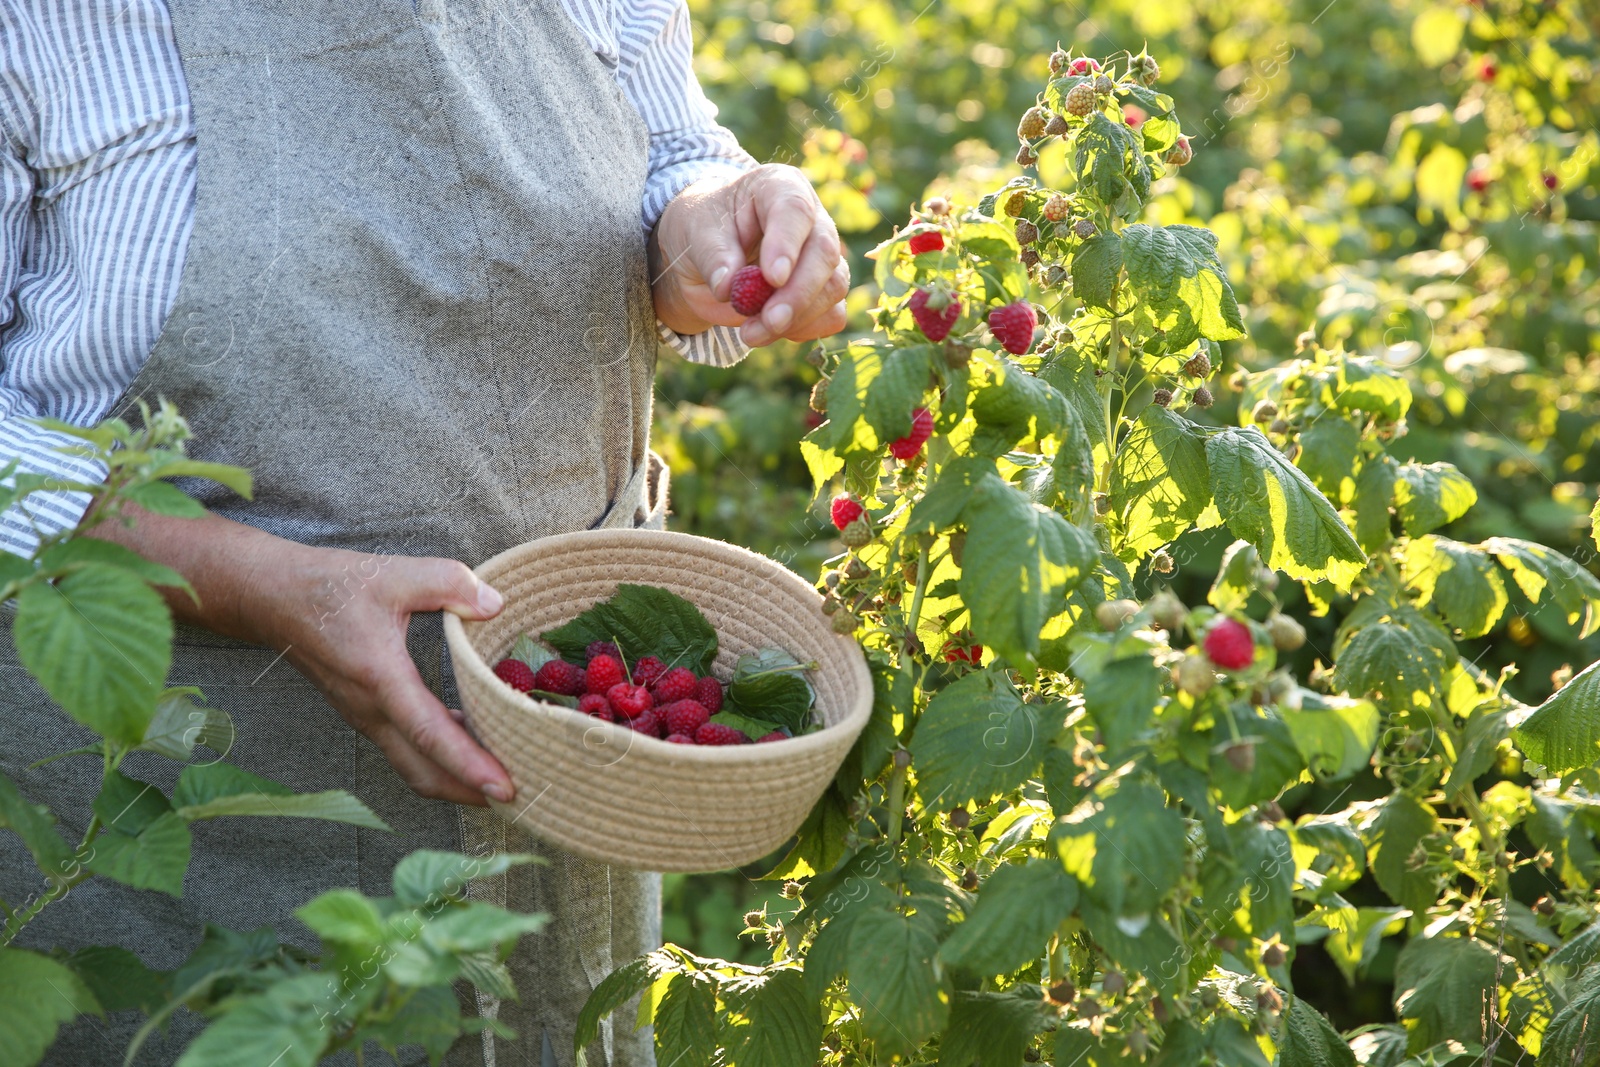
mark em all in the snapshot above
pixel 1198 365
pixel 936 205
pixel 1193 675
pixel 1273 955
pixel 1162 562
pixel 1202 398
pixel 817 358
pixel 1015 203
pixel 1088 1007
pixel 845 623
pixel 819 396
pixel 1102 84
pixel 1263 412
pixel 1032 124
pixel 1058 61
pixel 1080 99
pixel 1057 207
pixel 1027 232
pixel 1062 992
pixel 754 919
pixel 1241 756
pixel 1056 127
pixel 856 534
pixel 1138 1043
pixel 957 355
pixel 969 880
pixel 958 819
pixel 1167 610
pixel 1025 157
pixel 1145 68
pixel 1544 906
pixel 1181 153
pixel 791 890
pixel 1114 982
pixel 1029 258
pixel 1287 634
pixel 1278 426
pixel 1269 1001
pixel 1114 614
pixel 1161 397
pixel 1084 229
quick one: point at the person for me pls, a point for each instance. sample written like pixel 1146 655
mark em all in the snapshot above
pixel 409 261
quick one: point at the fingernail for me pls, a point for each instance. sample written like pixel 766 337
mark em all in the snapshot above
pixel 489 599
pixel 497 792
pixel 780 270
pixel 778 316
pixel 457 714
pixel 717 276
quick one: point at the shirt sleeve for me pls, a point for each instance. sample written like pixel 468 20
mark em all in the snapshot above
pixel 32 446
pixel 656 71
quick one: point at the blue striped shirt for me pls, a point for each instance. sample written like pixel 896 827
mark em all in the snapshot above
pixel 97 185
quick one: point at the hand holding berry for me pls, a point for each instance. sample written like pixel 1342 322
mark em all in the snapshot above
pixel 768 217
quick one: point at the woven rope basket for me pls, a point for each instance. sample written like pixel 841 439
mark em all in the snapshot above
pixel 604 792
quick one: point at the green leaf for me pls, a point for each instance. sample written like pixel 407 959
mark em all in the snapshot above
pixel 685 1022
pixel 128 805
pixel 1328 450
pixel 1309 1040
pixel 754 729
pixel 846 432
pixel 770 685
pixel 1249 878
pixel 37 995
pixel 1126 848
pixel 179 724
pixel 819 843
pixel 1436 34
pixel 1072 373
pixel 1571 1039
pixel 1367 384
pixel 1540 571
pixel 1330 849
pixel 1447 986
pixel 1335 734
pixel 1223 1041
pixel 616 989
pixel 992 1028
pixel 1267 501
pixel 476 926
pixel 36 825
pixel 202 783
pixel 1122 699
pixel 897 390
pixel 1563 734
pixel 1580 950
pixel 1176 272
pixel 155 858
pixel 1374 493
pixel 160 498
pixel 977 739
pixel 334 805
pixel 1161 483
pixel 1096 266
pixel 1278 761
pixel 1018 908
pixel 531 652
pixel 426 874
pixel 941 506
pixel 644 621
pixel 1402 660
pixel 117 979
pixel 63 557
pixel 1438 180
pixel 343 915
pixel 1355 934
pixel 432 1019
pixel 1020 561
pixel 894 977
pixel 283 1026
pixel 782 1027
pixel 235 478
pixel 1393 836
pixel 1460 581
pixel 1016 405
pixel 1430 495
pixel 99 641
pixel 1554 827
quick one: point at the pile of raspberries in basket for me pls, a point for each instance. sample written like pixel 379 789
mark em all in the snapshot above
pixel 666 702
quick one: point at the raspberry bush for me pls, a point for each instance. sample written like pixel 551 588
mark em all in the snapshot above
pixel 1062 837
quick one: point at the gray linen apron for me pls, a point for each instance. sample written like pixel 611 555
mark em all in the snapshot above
pixel 415 305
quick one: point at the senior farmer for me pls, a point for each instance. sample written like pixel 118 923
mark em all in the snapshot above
pixel 409 261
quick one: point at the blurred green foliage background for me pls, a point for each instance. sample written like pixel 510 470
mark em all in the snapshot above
pixel 1414 178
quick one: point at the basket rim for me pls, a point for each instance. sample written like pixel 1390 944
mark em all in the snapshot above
pixel 465 657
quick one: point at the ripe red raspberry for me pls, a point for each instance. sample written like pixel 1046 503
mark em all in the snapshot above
pixel 647 723
pixel 630 700
pixel 1133 115
pixel 604 672
pixel 1013 326
pixel 929 241
pixel 680 739
pixel 597 705
pixel 921 429
pixel 844 510
pixel 559 676
pixel 1083 65
pixel 715 733
pixel 677 684
pixel 709 694
pixel 1550 181
pixel 750 290
pixel 601 648
pixel 684 716
pixel 776 735
pixel 515 673
pixel 1477 179
pixel 1488 69
pixel 964 654
pixel 934 322
pixel 1230 645
pixel 647 670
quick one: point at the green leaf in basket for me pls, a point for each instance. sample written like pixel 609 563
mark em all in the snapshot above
pixel 767 685
pixel 531 652
pixel 552 698
pixel 643 620
pixel 751 728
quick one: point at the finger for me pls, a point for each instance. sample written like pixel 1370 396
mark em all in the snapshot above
pixel 425 724
pixel 787 211
pixel 826 324
pixel 817 285
pixel 429 584
pixel 423 776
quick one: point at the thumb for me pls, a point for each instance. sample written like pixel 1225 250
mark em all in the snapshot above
pixel 430 584
pixel 716 254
